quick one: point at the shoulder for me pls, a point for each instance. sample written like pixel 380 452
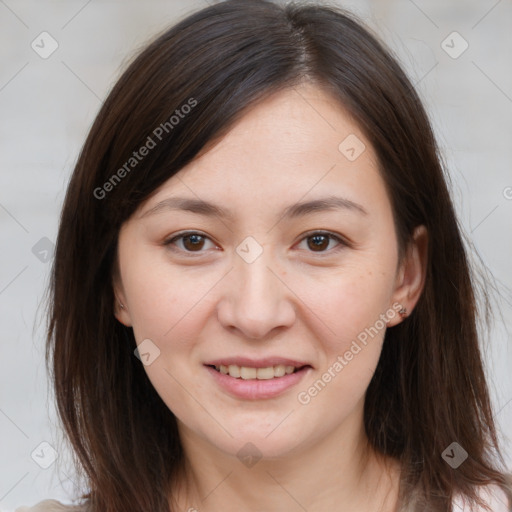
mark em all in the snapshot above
pixel 492 495
pixel 52 506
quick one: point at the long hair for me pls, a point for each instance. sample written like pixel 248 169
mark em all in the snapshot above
pixel 184 91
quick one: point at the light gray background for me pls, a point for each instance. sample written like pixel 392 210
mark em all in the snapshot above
pixel 48 105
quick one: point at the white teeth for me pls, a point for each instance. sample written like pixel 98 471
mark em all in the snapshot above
pixel 265 373
pixel 279 370
pixel 234 370
pixel 248 373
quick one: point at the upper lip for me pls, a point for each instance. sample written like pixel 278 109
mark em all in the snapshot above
pixel 257 363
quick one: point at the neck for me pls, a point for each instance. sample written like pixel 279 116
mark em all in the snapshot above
pixel 339 472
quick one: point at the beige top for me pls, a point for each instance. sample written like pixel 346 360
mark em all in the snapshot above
pixel 494 496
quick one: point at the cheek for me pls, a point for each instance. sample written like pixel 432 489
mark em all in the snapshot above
pixel 347 301
pixel 161 295
pixel 354 313
pixel 350 310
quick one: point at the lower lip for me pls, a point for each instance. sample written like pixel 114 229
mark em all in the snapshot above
pixel 255 389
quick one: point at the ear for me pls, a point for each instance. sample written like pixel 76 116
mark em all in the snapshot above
pixel 121 313
pixel 410 278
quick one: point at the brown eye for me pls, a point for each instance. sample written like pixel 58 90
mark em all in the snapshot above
pixel 190 242
pixel 193 242
pixel 319 242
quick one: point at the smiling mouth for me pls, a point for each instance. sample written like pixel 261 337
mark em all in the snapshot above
pixel 251 373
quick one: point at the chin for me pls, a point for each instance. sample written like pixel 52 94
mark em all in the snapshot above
pixel 265 442
pixel 257 448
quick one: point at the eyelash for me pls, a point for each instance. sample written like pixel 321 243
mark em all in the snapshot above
pixel 341 242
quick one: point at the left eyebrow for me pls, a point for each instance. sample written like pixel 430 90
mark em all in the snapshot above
pixel 205 208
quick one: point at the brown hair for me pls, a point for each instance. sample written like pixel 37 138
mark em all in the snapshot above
pixel 429 388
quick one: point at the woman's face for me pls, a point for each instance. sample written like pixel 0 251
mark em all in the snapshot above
pixel 270 285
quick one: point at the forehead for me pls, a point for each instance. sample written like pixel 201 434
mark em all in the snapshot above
pixel 300 120
pixel 298 143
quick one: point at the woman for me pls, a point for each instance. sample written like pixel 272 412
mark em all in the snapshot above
pixel 260 296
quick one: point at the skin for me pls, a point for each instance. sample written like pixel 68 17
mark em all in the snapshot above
pixel 293 301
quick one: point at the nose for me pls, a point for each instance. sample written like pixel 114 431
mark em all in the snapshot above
pixel 255 299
